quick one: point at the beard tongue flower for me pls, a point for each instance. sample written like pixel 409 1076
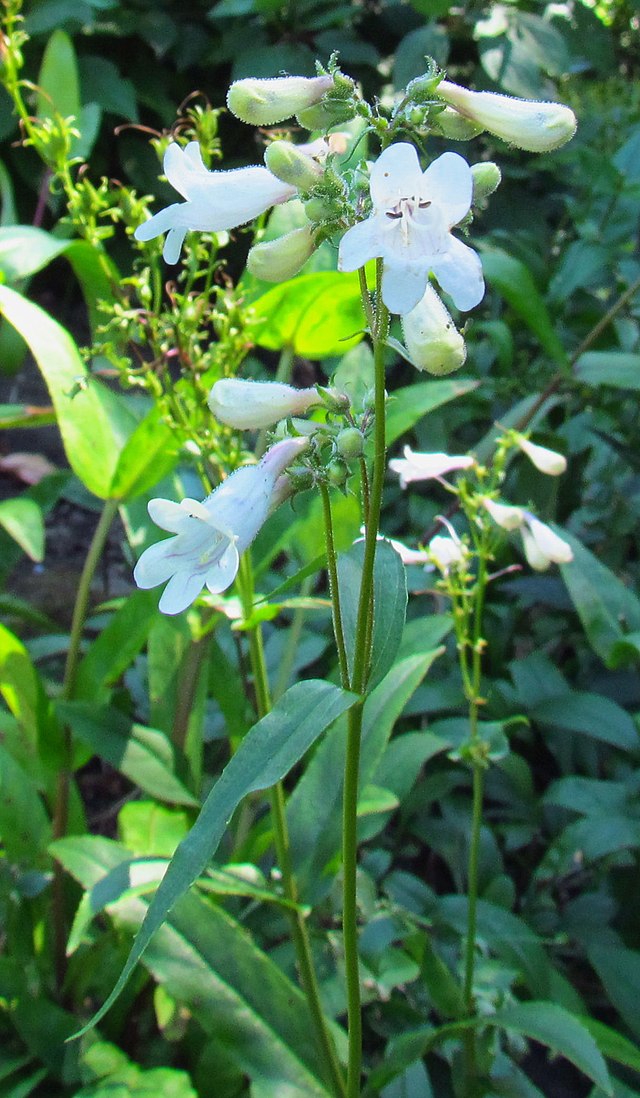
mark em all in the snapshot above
pixel 214 201
pixel 211 536
pixel 409 229
pixel 416 466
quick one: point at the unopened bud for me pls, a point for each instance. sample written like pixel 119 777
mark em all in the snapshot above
pixel 486 179
pixel 330 112
pixel 266 102
pixel 292 166
pixel 432 339
pixel 529 124
pixel 337 473
pixel 320 209
pixel 504 514
pixel 278 260
pixel 455 126
pixel 547 461
pixel 350 444
pixel 252 405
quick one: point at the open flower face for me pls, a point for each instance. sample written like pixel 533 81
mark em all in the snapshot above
pixel 215 201
pixel 410 229
pixel 210 537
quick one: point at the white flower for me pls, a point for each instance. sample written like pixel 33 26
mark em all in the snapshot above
pixel 504 514
pixel 215 201
pixel 542 546
pixel 211 536
pixel 280 259
pixel 251 405
pixel 409 229
pixel 431 338
pixel 547 461
pixel 416 466
pixel 529 124
pixel 447 552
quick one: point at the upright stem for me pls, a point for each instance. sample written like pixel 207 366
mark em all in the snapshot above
pixel 334 590
pixel 354 719
pixel 61 806
pixel 299 932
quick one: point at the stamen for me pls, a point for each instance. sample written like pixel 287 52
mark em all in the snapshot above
pixel 423 205
pixel 394 216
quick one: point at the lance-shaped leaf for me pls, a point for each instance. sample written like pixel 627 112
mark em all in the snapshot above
pixel 266 754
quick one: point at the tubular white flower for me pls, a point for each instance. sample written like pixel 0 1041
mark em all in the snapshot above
pixel 251 405
pixel 407 555
pixel 409 229
pixel 215 201
pixel 529 124
pixel 447 552
pixel 547 461
pixel 210 537
pixel 504 514
pixel 542 546
pixel 416 466
pixel 264 102
pixel 431 338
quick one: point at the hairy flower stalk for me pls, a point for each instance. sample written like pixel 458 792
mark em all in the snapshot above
pixel 214 201
pixel 409 228
pixel 210 537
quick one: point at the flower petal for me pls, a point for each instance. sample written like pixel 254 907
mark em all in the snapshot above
pixel 403 285
pixel 181 590
pixel 396 174
pixel 459 272
pixel 166 514
pixel 224 572
pixel 183 166
pixel 159 223
pixel 173 245
pixel 448 183
pixel 359 244
pixel 223 200
pixel 155 565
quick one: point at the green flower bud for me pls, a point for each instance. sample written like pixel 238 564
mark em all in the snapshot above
pixel 337 473
pixel 486 179
pixel 529 124
pixel 331 112
pixel 292 166
pixel 321 208
pixel 455 126
pixel 278 260
pixel 266 102
pixel 350 444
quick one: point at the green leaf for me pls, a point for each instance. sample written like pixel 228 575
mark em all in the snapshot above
pixel 25 830
pixel 514 283
pixel 589 714
pixel 317 315
pixel 431 40
pixel 607 609
pixel 25 415
pixel 144 755
pixel 618 969
pixel 265 755
pixel 408 405
pixel 114 1076
pixel 612 1044
pixel 620 369
pixel 94 422
pixel 149 454
pixel 560 1031
pixel 389 604
pixel 22 689
pixel 58 83
pixel 314 807
pixel 23 521
pixel 116 647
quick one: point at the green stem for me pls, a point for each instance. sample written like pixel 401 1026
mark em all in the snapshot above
pixel 354 720
pixel 334 590
pixel 299 931
pixel 61 806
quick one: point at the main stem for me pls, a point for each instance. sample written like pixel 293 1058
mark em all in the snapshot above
pixel 354 719
pixel 61 806
pixel 299 932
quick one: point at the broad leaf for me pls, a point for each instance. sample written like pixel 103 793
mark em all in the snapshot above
pixel 389 604
pixel 317 315
pixel 408 405
pixel 266 754
pixel 607 609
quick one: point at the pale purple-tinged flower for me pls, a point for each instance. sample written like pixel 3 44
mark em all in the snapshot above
pixel 416 466
pixel 210 537
pixel 409 228
pixel 447 553
pixel 251 405
pixel 547 461
pixel 542 546
pixel 214 201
